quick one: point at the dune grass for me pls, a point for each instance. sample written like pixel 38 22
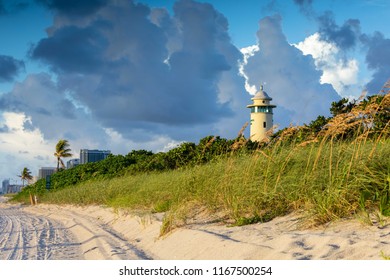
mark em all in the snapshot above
pixel 326 181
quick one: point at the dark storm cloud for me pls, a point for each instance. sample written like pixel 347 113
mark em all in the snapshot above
pixel 291 78
pixel 377 59
pixel 131 65
pixel 72 49
pixel 39 98
pixel 345 36
pixel 74 8
pixel 9 68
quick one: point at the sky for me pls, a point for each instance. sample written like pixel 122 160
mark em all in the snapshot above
pixel 125 75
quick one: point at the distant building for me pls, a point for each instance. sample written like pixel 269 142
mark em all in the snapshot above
pixel 92 155
pixel 4 186
pixel 8 188
pixel 14 188
pixel 72 163
pixel 46 171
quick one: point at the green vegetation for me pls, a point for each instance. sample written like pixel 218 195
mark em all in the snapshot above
pixel 329 169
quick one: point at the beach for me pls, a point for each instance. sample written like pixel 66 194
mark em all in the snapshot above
pixel 104 233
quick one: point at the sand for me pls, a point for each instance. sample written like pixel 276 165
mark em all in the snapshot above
pixel 279 239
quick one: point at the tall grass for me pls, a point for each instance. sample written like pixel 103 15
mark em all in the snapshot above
pixel 325 181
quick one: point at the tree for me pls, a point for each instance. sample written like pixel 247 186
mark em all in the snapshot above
pixel 341 106
pixel 62 151
pixel 318 124
pixel 25 175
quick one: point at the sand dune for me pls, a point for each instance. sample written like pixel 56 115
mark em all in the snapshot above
pixel 279 239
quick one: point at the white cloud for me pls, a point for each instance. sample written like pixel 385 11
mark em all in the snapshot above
pixel 22 146
pixel 18 137
pixel 248 52
pixel 292 78
pixel 338 71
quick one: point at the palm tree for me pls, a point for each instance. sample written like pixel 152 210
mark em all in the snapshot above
pixel 25 175
pixel 62 151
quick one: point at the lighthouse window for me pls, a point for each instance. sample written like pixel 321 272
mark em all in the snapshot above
pixel 264 124
pixel 261 109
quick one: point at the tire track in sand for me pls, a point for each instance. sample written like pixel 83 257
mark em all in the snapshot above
pixel 24 236
pixel 35 233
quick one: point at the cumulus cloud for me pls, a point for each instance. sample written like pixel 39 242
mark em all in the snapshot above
pixel 340 72
pixel 347 37
pixel 16 139
pixel 127 77
pixel 48 109
pixel 140 69
pixel 35 122
pixel 83 52
pixel 291 78
pixel 9 68
pixel 248 52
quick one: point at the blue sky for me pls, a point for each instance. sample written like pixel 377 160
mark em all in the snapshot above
pixel 149 74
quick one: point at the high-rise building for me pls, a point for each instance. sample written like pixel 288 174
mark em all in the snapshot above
pixel 72 163
pixel 261 115
pixel 93 155
pixel 46 171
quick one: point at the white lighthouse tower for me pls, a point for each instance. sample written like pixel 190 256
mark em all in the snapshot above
pixel 261 115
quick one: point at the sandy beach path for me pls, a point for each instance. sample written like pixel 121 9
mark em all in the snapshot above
pixel 97 232
pixel 28 233
pixel 279 239
pixel 25 236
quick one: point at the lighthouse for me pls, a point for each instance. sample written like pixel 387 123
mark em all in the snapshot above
pixel 261 115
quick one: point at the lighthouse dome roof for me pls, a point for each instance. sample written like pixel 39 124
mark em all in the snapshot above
pixel 261 94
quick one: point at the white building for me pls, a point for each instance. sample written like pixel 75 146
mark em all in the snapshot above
pixel 261 115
